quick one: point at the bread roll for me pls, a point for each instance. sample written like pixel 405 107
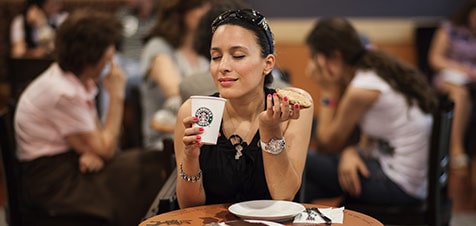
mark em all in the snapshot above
pixel 295 96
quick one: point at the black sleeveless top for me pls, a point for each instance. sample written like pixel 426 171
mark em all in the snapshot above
pixel 230 180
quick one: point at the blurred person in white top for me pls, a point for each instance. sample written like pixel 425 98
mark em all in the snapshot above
pixel 32 32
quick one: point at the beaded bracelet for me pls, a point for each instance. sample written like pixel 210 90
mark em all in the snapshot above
pixel 188 178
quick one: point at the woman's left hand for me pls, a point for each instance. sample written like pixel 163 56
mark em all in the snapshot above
pixel 278 111
pixel 350 166
pixel 90 163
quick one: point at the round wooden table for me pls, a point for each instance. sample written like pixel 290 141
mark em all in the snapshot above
pixel 201 215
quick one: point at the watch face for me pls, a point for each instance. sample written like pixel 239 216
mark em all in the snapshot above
pixel 276 145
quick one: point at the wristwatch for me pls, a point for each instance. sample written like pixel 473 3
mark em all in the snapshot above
pixel 274 146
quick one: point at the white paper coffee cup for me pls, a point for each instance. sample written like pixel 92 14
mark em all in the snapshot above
pixel 209 111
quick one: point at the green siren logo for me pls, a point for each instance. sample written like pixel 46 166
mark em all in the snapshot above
pixel 204 115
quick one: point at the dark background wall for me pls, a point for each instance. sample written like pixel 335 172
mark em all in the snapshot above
pixel 355 8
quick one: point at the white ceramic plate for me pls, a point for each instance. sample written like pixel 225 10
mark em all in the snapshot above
pixel 271 210
pixel 268 223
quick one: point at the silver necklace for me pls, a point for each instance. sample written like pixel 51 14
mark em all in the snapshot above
pixel 236 140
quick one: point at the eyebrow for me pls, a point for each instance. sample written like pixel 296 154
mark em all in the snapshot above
pixel 233 48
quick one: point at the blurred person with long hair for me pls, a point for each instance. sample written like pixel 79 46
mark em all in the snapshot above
pixel 392 104
pixel 168 56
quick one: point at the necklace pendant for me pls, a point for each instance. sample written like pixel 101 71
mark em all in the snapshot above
pixel 239 150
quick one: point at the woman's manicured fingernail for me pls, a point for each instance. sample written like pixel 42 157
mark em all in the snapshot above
pixel 198 137
pixel 285 98
pixel 200 129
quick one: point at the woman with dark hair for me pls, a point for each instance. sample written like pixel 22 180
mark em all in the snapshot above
pixel 390 101
pixel 167 57
pixel 201 83
pixel 263 140
pixel 32 32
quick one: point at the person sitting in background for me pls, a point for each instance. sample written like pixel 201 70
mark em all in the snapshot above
pixel 32 32
pixel 367 88
pixel 69 164
pixel 453 56
pixel 258 154
pixel 202 83
pixel 137 17
pixel 167 57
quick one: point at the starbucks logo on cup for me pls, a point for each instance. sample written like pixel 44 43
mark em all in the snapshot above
pixel 204 115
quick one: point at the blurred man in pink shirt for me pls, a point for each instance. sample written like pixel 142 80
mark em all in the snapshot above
pixel 69 161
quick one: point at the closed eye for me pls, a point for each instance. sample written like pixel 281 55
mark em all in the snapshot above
pixel 215 58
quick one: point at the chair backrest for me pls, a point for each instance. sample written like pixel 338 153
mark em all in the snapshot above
pixel 166 198
pixel 438 202
pixel 10 167
pixel 131 136
pixel 22 71
pixel 423 36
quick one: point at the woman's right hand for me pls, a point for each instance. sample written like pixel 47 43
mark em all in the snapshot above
pixel 317 70
pixel 115 81
pixel 191 138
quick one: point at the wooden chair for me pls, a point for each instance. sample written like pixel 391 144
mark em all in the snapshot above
pixel 22 71
pixel 17 211
pixel 131 136
pixel 166 199
pixel 436 210
pixel 10 168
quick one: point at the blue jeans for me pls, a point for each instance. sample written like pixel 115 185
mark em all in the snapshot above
pixel 322 182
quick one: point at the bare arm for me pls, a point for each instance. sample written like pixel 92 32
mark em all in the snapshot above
pixel 19 50
pixel 187 153
pixel 284 171
pixel 164 72
pixel 336 123
pixel 104 140
pixel 437 54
